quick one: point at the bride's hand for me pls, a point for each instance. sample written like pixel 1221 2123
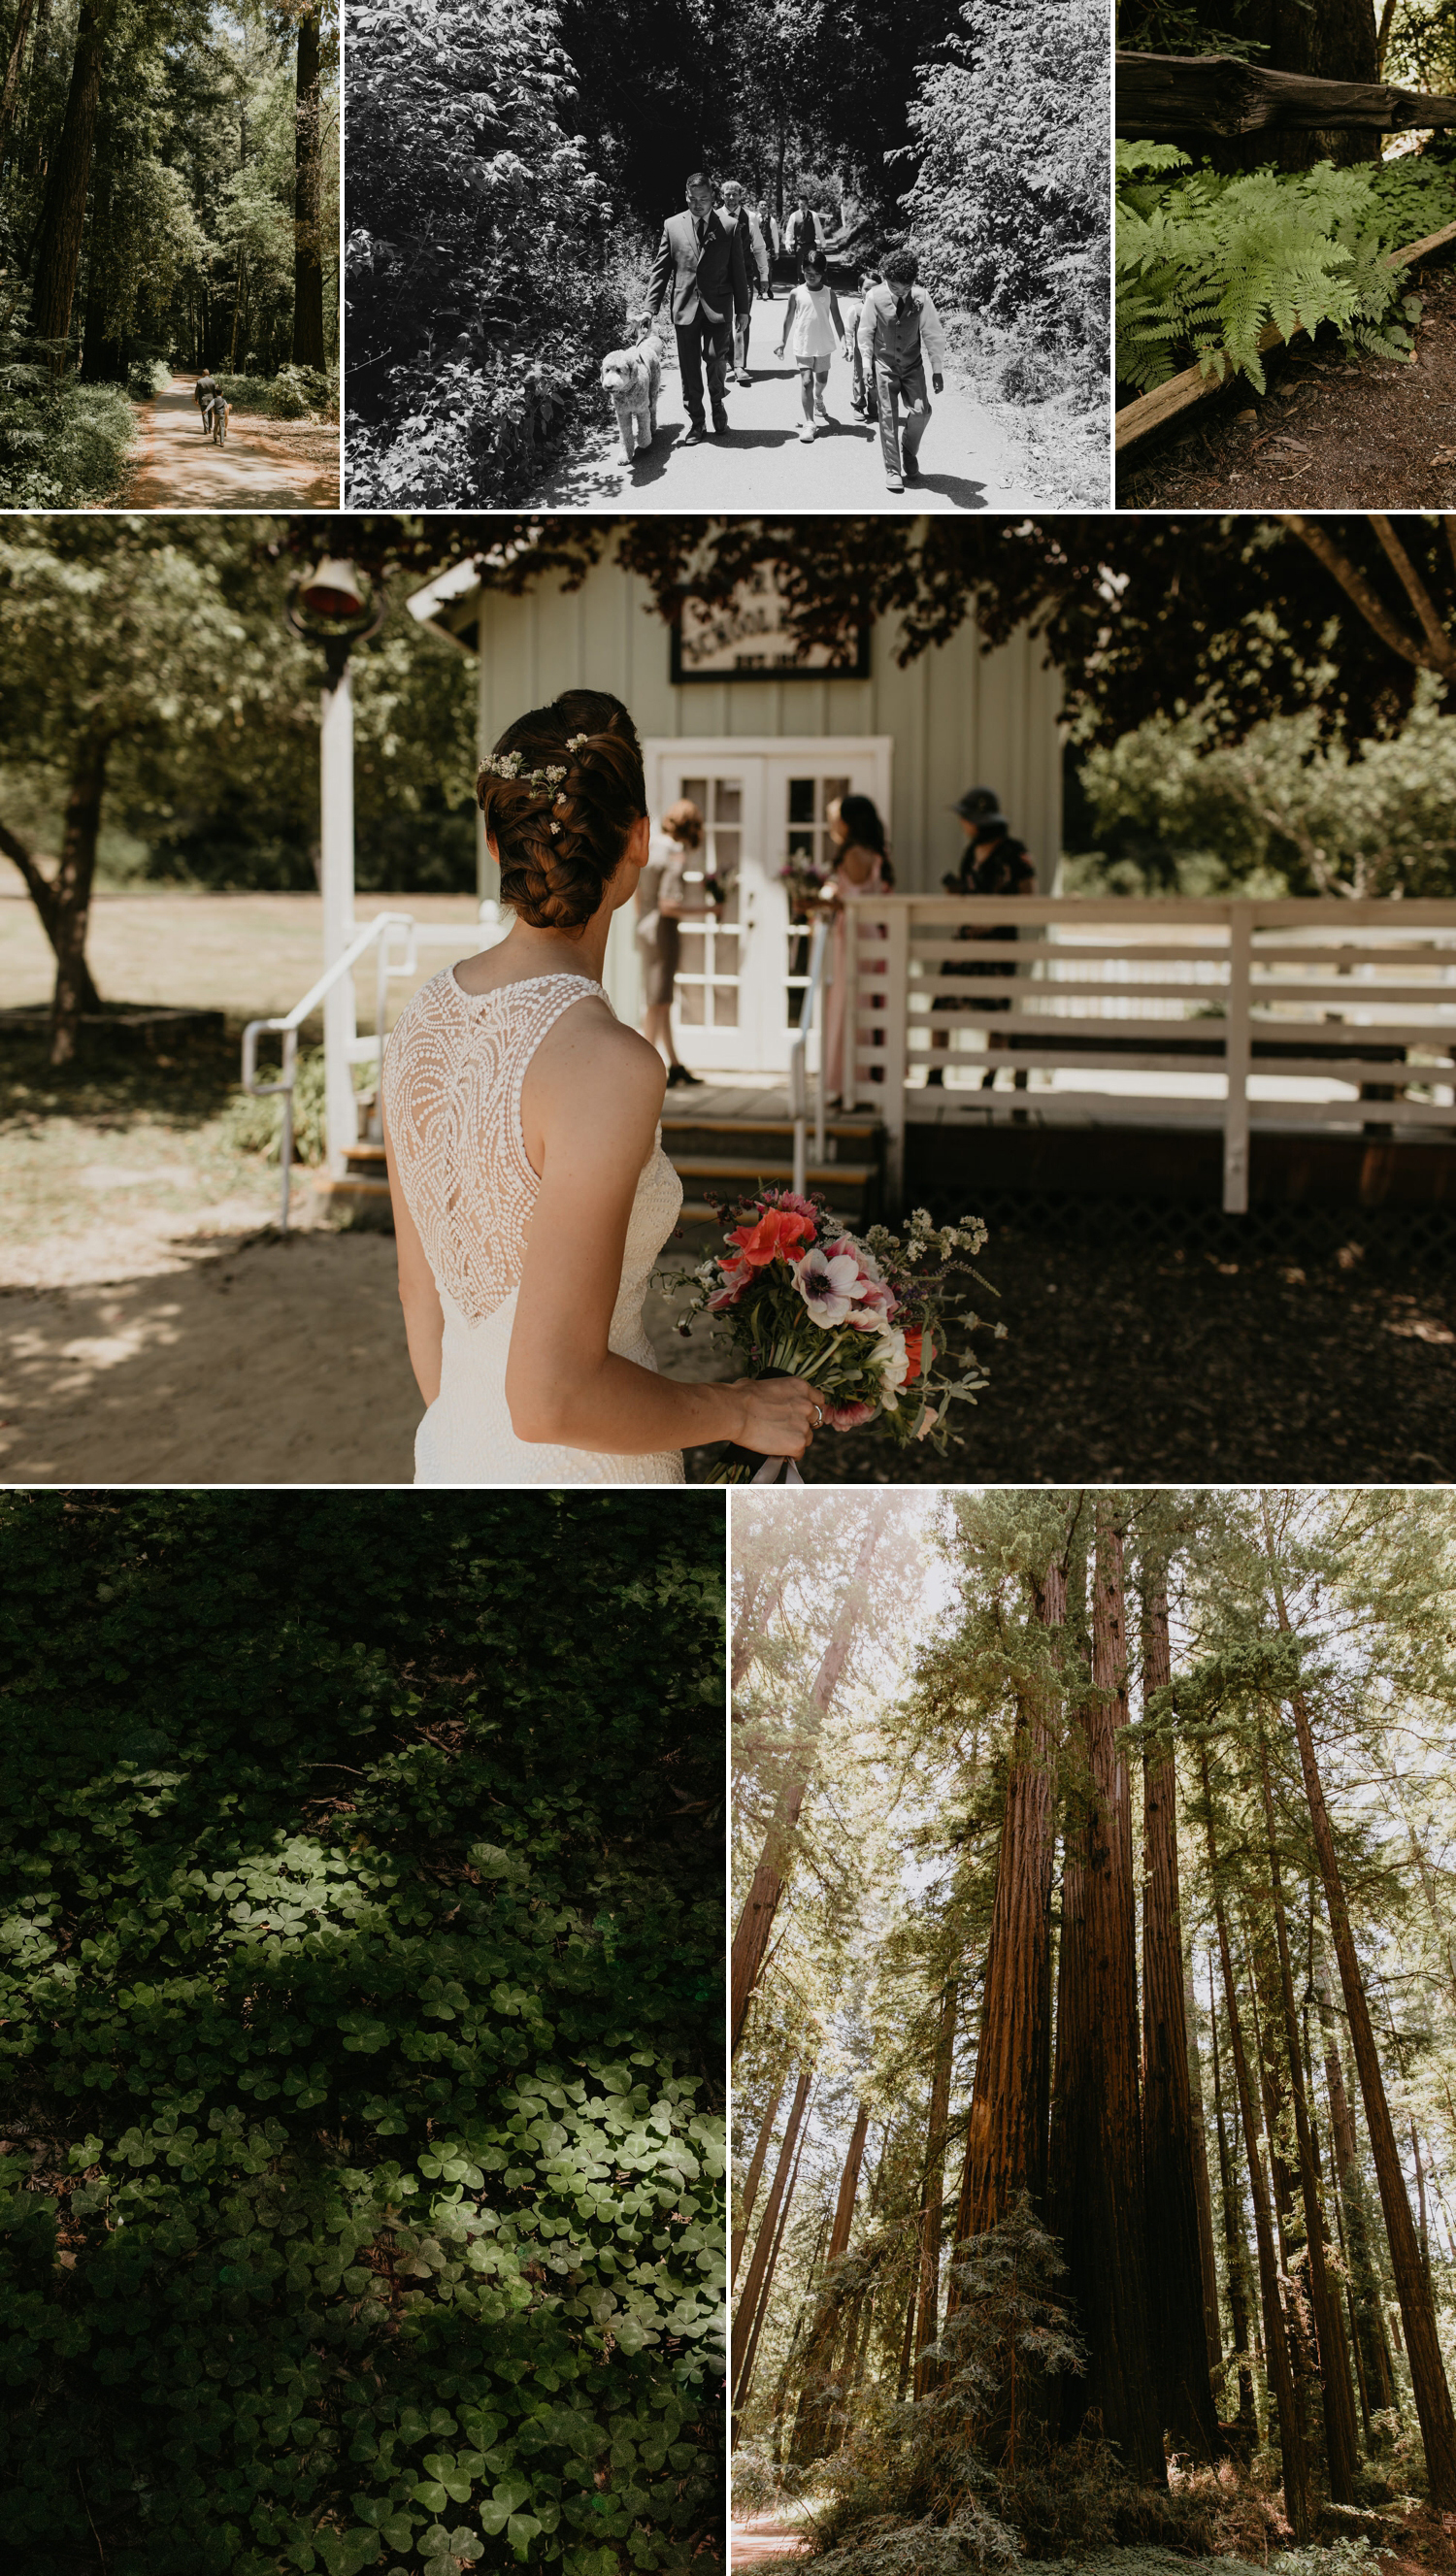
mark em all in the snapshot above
pixel 780 1415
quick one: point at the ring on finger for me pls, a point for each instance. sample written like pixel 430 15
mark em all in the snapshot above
pixel 818 1417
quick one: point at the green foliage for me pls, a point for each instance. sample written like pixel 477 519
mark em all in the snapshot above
pixel 361 2201
pixel 1341 2558
pixel 480 299
pixel 1281 811
pixel 1205 262
pixel 62 444
pixel 255 1126
pixel 1008 210
pixel 295 393
pixel 147 376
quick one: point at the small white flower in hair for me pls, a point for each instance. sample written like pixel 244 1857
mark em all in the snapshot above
pixel 576 742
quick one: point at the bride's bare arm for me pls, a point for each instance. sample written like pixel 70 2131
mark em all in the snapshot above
pixel 424 1317
pixel 589 1110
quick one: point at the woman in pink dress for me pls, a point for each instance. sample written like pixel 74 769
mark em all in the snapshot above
pixel 862 867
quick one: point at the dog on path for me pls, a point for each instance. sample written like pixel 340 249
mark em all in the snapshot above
pixel 633 378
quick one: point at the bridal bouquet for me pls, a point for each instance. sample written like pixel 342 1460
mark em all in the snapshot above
pixel 869 1323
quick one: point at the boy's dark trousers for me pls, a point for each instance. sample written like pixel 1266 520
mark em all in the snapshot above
pixel 698 341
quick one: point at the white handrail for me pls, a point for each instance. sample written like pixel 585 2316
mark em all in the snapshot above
pixel 798 1066
pixel 378 931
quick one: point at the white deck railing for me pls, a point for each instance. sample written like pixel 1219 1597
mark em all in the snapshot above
pixel 1231 1012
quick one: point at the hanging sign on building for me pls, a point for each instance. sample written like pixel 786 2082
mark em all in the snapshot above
pixel 746 637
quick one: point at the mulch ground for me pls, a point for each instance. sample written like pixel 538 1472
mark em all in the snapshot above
pixel 1128 1365
pixel 1330 433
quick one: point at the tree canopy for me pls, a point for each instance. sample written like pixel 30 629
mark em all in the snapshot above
pixel 360 2090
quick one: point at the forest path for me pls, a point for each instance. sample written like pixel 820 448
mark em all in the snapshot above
pixel 968 461
pixel 764 2544
pixel 266 464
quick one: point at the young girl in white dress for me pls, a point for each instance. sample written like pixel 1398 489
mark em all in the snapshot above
pixel 812 331
pixel 531 1193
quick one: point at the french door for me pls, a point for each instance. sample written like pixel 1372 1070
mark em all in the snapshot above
pixel 764 807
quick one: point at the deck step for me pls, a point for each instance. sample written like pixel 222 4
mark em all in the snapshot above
pixel 751 1167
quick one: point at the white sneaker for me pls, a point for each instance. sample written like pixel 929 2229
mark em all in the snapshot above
pixel 806 432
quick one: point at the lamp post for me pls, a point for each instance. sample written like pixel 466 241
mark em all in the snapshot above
pixel 333 609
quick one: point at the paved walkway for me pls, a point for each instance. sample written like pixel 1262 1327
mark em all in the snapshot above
pixel 968 459
pixel 265 465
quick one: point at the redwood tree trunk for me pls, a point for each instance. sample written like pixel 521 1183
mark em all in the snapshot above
pixel 930 2214
pixel 63 211
pixel 1097 2194
pixel 1371 2345
pixel 1212 2334
pixel 1337 2395
pixel 308 266
pixel 754 2176
pixel 1176 2283
pixel 755 1924
pixel 10 87
pixel 71 889
pixel 1006 2138
pixel 758 2269
pixel 816 2393
pixel 1276 2341
pixel 744 2387
pixel 1236 2252
pixel 1428 2376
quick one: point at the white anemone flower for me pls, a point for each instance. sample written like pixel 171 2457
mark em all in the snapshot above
pixel 827 1283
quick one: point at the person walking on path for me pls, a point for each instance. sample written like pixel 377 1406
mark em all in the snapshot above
pixel 755 261
pixel 804 230
pixel 812 325
pixel 898 328
pixel 700 268
pixel 663 904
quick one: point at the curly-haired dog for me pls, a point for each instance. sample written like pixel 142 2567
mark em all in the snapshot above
pixel 633 378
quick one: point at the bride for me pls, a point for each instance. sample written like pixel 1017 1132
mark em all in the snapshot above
pixel 531 1192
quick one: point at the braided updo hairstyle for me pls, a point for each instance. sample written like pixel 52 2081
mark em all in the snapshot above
pixel 560 839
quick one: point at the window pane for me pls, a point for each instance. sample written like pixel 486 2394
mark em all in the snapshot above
pixel 727 851
pixel 728 801
pixel 834 789
pixel 801 800
pixel 689 1005
pixel 696 791
pixel 725 1005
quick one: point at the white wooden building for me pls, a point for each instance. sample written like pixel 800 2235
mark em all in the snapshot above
pixel 762 757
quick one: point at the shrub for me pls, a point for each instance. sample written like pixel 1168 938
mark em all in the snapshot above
pixel 146 377
pixel 295 393
pixel 1008 214
pixel 359 2203
pixel 482 288
pixel 254 1125
pixel 63 444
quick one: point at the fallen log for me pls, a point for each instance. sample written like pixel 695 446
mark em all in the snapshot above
pixel 1164 95
pixel 1180 392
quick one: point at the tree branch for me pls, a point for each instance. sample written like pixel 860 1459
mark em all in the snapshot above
pixel 39 888
pixel 1418 595
pixel 1355 586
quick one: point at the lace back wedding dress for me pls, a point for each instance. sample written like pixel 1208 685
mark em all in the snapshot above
pixel 453 1071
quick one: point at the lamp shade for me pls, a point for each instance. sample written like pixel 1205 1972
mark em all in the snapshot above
pixel 332 591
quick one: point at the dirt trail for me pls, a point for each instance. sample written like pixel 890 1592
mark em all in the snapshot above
pixel 764 2544
pixel 969 461
pixel 266 464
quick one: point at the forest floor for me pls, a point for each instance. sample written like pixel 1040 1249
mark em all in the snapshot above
pixel 973 457
pixel 764 2544
pixel 265 465
pixel 1331 433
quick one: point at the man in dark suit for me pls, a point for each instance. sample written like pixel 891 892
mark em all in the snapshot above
pixel 700 267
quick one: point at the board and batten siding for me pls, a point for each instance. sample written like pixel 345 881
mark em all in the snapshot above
pixel 959 717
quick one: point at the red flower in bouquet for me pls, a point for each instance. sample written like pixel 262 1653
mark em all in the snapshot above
pixel 913 1349
pixel 779 1232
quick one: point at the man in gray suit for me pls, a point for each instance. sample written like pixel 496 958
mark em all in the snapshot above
pixel 702 256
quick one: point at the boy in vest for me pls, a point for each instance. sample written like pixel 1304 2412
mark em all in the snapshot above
pixel 898 329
